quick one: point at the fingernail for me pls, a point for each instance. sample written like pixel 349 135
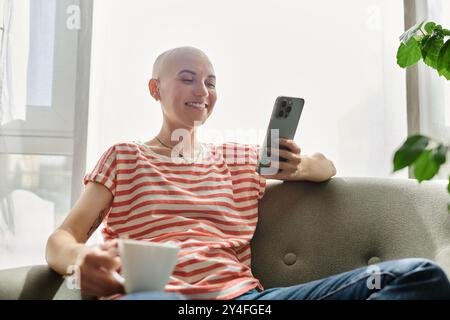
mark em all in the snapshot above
pixel 118 277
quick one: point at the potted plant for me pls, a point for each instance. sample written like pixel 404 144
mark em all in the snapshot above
pixel 427 42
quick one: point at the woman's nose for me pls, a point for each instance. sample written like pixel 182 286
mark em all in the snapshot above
pixel 201 90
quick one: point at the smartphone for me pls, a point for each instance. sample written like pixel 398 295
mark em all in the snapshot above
pixel 283 124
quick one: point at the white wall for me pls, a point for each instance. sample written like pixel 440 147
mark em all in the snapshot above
pixel 338 55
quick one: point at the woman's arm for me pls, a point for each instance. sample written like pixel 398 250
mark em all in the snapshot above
pixel 68 240
pixel 315 167
pixel 66 246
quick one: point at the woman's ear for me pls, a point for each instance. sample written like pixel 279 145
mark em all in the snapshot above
pixel 154 88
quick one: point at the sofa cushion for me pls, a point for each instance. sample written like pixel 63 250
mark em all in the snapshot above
pixel 308 231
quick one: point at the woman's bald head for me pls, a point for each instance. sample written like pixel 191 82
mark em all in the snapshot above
pixel 180 77
pixel 165 60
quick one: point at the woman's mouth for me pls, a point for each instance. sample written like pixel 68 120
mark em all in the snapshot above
pixel 197 105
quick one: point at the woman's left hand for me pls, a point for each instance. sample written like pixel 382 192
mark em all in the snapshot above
pixel 288 169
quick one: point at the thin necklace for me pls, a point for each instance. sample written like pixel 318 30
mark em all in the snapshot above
pixel 179 153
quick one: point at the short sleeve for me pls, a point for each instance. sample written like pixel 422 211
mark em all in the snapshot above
pixel 262 181
pixel 237 155
pixel 104 171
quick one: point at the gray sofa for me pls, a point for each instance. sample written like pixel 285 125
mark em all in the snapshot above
pixel 307 231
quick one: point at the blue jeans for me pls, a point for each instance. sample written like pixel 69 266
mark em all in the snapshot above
pixel 412 278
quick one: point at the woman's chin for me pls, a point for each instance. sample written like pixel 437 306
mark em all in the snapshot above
pixel 200 119
pixel 192 123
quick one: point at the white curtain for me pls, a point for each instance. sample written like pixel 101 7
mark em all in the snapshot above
pixel 14 21
pixel 26 221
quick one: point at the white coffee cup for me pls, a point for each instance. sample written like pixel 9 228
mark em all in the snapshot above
pixel 146 266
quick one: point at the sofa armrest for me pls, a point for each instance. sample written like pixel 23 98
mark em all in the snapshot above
pixel 37 282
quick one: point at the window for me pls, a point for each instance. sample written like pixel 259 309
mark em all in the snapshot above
pixel 40 62
pixel 35 197
pixel 42 157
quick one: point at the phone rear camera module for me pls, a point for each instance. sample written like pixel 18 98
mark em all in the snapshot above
pixel 283 103
pixel 288 109
pixel 281 113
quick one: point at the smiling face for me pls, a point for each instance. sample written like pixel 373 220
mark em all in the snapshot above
pixel 186 82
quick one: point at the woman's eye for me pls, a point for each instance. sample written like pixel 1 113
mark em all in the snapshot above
pixel 210 85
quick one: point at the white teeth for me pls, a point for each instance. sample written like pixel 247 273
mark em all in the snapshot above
pixel 196 105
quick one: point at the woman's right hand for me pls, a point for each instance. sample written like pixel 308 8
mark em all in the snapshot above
pixel 96 265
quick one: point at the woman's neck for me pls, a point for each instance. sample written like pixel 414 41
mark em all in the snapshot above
pixel 184 140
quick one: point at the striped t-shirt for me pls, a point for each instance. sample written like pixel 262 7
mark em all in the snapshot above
pixel 208 206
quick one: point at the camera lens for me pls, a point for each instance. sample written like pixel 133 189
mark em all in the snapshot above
pixel 281 113
pixel 283 103
pixel 288 109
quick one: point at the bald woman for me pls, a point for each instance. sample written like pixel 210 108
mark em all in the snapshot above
pixel 159 191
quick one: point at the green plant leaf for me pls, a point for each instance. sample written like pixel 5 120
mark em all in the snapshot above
pixel 409 53
pixel 408 34
pixel 448 190
pixel 430 50
pixel 423 41
pixel 445 73
pixel 446 32
pixel 429 162
pixel 443 64
pixel 411 149
pixel 440 154
pixel 425 167
pixel 429 27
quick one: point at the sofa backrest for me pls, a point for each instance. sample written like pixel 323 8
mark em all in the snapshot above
pixel 308 231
